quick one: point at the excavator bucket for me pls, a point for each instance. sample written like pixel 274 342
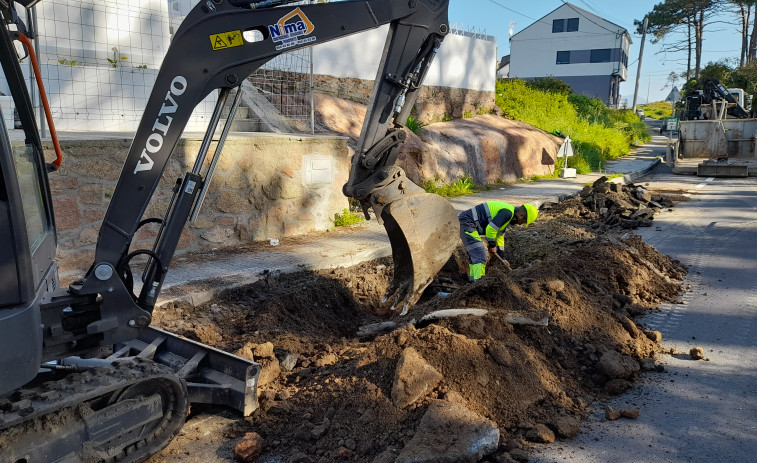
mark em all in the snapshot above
pixel 423 230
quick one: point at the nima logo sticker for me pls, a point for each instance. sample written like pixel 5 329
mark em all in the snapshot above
pixel 291 30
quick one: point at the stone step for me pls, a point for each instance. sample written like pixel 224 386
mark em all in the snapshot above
pixel 245 125
pixel 243 112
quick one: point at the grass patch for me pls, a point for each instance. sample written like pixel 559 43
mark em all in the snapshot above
pixel 460 187
pixel 598 133
pixel 657 110
pixel 348 218
pixel 413 124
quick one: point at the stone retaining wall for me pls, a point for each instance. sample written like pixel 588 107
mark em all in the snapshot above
pixel 264 186
pixel 434 104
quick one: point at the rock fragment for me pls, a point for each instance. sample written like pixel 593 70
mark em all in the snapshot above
pixel 611 414
pixel 250 448
pixel 413 378
pixel 288 361
pixel 618 366
pixel 450 433
pixel 566 426
pixel 541 434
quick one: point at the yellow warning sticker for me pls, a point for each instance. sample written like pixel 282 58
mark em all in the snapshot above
pixel 226 40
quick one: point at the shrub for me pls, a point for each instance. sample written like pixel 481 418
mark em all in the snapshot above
pixel 550 84
pixel 460 187
pixel 347 218
pixel 413 124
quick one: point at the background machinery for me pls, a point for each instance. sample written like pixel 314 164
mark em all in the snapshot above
pixel 715 101
pixel 717 137
pixel 84 377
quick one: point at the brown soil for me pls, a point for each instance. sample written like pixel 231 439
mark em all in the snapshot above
pixel 588 274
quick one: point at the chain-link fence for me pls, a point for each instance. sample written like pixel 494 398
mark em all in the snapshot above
pixel 285 81
pixel 99 61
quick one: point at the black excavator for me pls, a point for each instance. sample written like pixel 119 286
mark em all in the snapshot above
pixel 83 376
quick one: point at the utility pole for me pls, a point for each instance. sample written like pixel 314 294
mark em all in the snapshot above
pixel 641 55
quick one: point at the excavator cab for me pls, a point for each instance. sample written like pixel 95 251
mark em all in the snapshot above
pixel 27 231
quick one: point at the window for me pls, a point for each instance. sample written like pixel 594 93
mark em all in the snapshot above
pixel 30 186
pixel 563 57
pixel 600 56
pixel 565 25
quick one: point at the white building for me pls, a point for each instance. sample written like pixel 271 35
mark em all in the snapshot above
pixel 580 48
pixel 503 67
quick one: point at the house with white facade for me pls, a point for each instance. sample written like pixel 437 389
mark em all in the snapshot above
pixel 503 67
pixel 577 47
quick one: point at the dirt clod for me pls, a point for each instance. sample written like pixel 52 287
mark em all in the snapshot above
pixel 653 335
pixel 696 353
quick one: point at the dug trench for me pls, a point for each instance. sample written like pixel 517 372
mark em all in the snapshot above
pixel 536 346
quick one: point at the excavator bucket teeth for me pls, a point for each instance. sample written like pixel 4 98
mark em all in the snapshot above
pixel 423 230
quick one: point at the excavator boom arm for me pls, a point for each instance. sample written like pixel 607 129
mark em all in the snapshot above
pixel 218 49
pixel 218 45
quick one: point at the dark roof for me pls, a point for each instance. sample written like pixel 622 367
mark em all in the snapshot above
pixel 577 10
pixel 504 61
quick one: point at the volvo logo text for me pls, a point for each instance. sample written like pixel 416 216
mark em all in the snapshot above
pixel 159 129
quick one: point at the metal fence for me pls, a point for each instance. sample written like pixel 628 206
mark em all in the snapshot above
pixel 99 60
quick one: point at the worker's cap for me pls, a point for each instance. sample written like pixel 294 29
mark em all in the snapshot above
pixel 531 213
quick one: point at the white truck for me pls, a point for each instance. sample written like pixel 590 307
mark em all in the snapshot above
pixel 717 138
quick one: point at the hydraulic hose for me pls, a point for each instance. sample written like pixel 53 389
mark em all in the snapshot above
pixel 43 96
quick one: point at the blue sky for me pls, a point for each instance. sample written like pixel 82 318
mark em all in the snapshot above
pixel 494 17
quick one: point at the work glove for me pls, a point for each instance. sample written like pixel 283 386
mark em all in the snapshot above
pixel 501 252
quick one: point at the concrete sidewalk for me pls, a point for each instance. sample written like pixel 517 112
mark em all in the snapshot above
pixel 197 279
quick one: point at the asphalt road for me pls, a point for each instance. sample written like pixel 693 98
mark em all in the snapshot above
pixel 695 411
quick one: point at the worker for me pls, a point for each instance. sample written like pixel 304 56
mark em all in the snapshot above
pixel 488 220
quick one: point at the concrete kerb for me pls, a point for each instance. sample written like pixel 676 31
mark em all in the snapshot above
pixel 220 285
pixel 634 176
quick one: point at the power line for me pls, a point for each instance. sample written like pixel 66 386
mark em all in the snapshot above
pixel 601 13
pixel 516 12
pixel 589 19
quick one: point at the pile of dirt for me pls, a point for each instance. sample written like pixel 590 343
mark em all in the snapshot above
pixel 549 337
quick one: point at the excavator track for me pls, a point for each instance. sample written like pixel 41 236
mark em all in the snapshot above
pixel 125 412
